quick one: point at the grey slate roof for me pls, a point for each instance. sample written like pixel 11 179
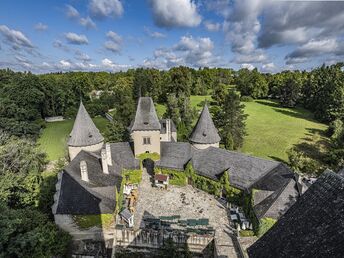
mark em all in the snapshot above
pixel 243 170
pixel 277 203
pixel 75 199
pixel 123 155
pixel 94 197
pixel 146 117
pixel 95 173
pixel 312 227
pixel 205 131
pixel 84 132
pixel 126 214
pixel 341 172
pixel 174 155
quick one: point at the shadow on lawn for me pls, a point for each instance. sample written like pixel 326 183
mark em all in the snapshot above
pixel 271 103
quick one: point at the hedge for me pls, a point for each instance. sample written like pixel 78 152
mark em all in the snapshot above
pixel 132 176
pixel 153 156
pixel 176 177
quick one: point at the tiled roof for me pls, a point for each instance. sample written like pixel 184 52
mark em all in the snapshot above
pixel 312 227
pixel 243 170
pixel 84 132
pixel 174 155
pixel 205 131
pixel 146 117
pixel 123 155
pixel 163 126
pixel 75 199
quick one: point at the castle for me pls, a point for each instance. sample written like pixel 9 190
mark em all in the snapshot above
pixel 88 184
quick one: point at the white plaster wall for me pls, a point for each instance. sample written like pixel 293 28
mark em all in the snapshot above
pixel 165 136
pixel 140 148
pixel 204 146
pixel 73 151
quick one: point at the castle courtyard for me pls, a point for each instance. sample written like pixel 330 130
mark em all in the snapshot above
pixel 188 203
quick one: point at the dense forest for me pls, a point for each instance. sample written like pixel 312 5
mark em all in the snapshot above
pixel 26 99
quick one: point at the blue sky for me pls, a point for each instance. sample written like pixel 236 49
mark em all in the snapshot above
pixel 94 35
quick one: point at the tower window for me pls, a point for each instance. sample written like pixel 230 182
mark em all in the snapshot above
pixel 146 140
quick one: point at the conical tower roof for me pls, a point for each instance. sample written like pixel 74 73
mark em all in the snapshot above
pixel 146 117
pixel 84 132
pixel 205 131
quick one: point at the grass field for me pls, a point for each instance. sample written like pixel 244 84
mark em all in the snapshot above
pixel 272 130
pixel 54 137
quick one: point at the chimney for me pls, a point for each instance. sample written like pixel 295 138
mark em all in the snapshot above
pixel 83 170
pixel 104 162
pixel 168 129
pixel 108 154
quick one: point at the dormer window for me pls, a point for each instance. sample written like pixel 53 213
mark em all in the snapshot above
pixel 146 140
pixel 145 123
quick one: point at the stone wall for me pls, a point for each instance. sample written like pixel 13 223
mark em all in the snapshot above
pixel 73 151
pixel 140 148
pixel 149 238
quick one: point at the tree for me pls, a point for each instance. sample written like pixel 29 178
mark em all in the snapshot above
pixel 251 83
pixel 291 90
pixel 230 120
pixel 116 132
pixel 28 233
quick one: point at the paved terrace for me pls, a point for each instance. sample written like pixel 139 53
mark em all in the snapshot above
pixel 189 203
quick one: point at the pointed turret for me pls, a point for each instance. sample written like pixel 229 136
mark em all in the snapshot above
pixel 145 130
pixel 205 133
pixel 85 135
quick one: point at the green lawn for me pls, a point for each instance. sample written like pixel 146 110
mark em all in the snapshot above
pixel 272 130
pixel 54 137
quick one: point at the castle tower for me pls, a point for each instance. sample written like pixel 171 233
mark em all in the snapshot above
pixel 205 133
pixel 85 135
pixel 145 130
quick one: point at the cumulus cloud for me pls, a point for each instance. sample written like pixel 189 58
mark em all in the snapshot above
pixel 76 39
pixel 74 14
pixel 82 56
pixel 175 13
pixel 248 66
pixel 211 26
pixel 194 52
pixel 110 65
pixel 154 34
pixel 269 68
pixel 71 12
pixel 105 8
pixel 114 42
pixel 87 22
pixel 41 27
pixel 15 38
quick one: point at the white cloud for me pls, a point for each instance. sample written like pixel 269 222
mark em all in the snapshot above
pixel 41 27
pixel 154 34
pixel 175 13
pixel 194 52
pixel 114 42
pixel 15 38
pixel 210 26
pixel 105 8
pixel 87 22
pixel 71 12
pixel 82 56
pixel 76 39
pixel 110 65
pixel 248 66
pixel 269 68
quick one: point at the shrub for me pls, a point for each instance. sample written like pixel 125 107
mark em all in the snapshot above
pixel 153 156
pixel 132 176
pixel 176 177
pixel 246 99
pixel 264 225
pixel 246 233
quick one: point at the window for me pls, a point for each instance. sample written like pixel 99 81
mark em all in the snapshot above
pixel 146 140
